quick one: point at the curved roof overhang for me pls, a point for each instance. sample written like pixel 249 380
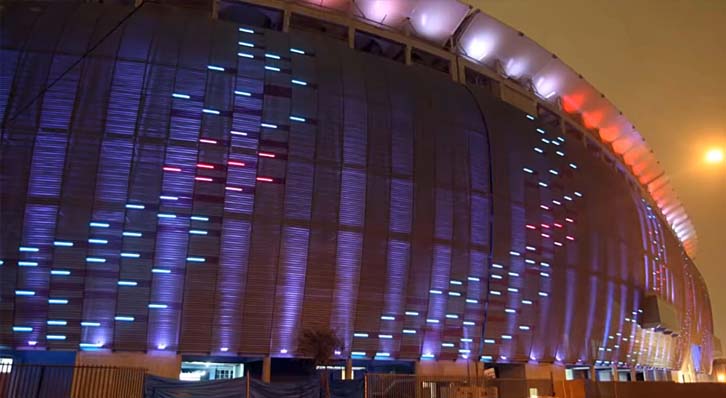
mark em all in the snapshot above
pixel 466 31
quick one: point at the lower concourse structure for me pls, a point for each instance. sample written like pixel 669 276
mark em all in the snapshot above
pixel 213 180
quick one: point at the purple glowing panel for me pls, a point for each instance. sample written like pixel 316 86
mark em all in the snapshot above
pixel 241 173
pixel 399 254
pixel 234 250
pixel 346 281
pixel 441 262
pixel 59 100
pixel 438 302
pixel 8 63
pixel 350 244
pixel 246 117
pixel 291 286
pixel 185 121
pixel 401 211
pixel 47 167
pixel 112 185
pixel 37 232
pixel 125 97
pixel 172 239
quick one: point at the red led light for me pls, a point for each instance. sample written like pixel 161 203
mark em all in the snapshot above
pixel 267 155
pixel 169 168
pixel 265 179
pixel 530 226
pixel 236 189
pixel 207 141
pixel 207 179
pixel 235 163
pixel 204 166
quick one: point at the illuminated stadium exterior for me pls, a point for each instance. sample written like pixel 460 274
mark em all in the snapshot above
pixel 214 186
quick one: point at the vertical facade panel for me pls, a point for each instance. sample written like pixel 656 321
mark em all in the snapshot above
pixel 199 188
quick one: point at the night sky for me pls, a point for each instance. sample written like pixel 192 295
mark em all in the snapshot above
pixel 663 63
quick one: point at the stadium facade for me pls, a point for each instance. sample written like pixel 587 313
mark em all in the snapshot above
pixel 212 186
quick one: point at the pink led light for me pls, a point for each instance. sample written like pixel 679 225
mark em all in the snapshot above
pixel 235 163
pixel 169 168
pixel 545 226
pixel 558 243
pixel 236 189
pixel 544 207
pixel 569 237
pixel 545 235
pixel 569 220
pixel 205 166
pixel 530 226
pixel 266 154
pixel 207 179
pixel 558 225
pixel 265 179
pixel 207 141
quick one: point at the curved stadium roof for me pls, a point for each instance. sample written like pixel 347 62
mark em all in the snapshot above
pixel 480 38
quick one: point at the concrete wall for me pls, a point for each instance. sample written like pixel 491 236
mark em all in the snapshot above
pixel 449 368
pixel 157 363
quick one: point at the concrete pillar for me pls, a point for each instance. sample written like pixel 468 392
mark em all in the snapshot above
pixel 351 37
pixel 348 369
pixel 593 373
pixel 633 375
pixel 286 20
pixel 266 369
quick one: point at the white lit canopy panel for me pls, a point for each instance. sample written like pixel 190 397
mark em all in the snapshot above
pixel 484 40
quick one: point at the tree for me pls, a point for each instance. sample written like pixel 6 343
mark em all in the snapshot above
pixel 320 345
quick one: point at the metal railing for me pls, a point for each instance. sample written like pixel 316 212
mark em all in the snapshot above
pixel 46 381
pixel 413 386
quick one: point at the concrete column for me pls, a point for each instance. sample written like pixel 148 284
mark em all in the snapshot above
pixel 351 37
pixel 266 369
pixel 286 20
pixel 593 373
pixel 633 375
pixel 349 369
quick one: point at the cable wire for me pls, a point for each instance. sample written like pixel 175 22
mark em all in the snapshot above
pixel 42 92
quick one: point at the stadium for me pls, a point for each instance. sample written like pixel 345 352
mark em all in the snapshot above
pixel 196 180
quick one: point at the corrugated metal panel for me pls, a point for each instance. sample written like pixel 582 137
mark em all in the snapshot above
pixel 321 269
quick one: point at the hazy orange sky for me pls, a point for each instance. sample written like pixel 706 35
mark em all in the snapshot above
pixel 663 63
